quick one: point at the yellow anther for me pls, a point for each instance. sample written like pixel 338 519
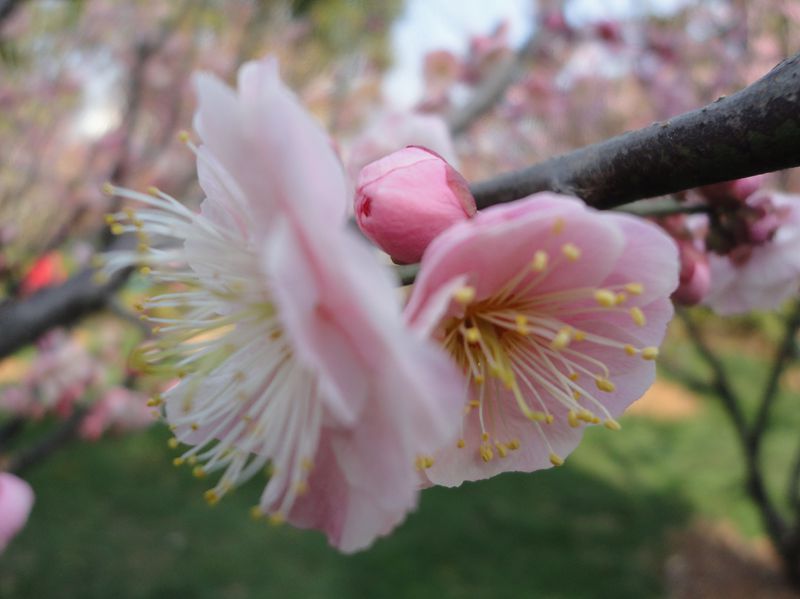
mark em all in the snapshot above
pixel 558 225
pixel 464 295
pixel 638 316
pixel 571 251
pixel 108 189
pixel 573 376
pixel 142 248
pixel 183 136
pixel 256 513
pixel 634 288
pixel 484 437
pixel 110 219
pixel 307 465
pixel 172 443
pixel 630 350
pixel 604 384
pixel 562 338
pixel 513 445
pixel 578 335
pixel 423 462
pixel 191 460
pixel 549 419
pixel 301 488
pixel 474 403
pixel 198 472
pixel 461 443
pixel 211 497
pixel 177 462
pixel 154 402
pixel 486 453
pixel 612 424
pixel 117 229
pixel 650 353
pixel 145 270
pixel 276 518
pixel 473 335
pixel 194 426
pixel 620 298
pixel 153 190
pixel 539 262
pixel 586 416
pixel 522 324
pixel 605 298
pixel 502 450
pixel 479 379
pixel 572 419
pixel 555 459
pixel 536 416
pixel 576 395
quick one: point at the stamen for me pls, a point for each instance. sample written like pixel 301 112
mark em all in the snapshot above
pixel 464 295
pixel 571 251
pixel 634 288
pixel 539 262
pixel 638 316
pixel 650 353
pixel 605 298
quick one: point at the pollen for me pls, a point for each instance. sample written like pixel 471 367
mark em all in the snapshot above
pixel 514 444
pixel 424 462
pixel 172 443
pixel 522 324
pixel 638 316
pixel 108 189
pixel 486 452
pixel 650 353
pixel 177 462
pixel 562 338
pixel 473 335
pixel 630 350
pixel 183 136
pixel 211 497
pixel 573 376
pixel 605 298
pixel 461 443
pixel 502 449
pixel 256 513
pixel 558 225
pixel 199 472
pixel 620 298
pixel 555 459
pixel 612 424
pixel 571 251
pixel 634 288
pixel 572 419
pixel 604 384
pixel 539 262
pixel 464 295
pixel 276 519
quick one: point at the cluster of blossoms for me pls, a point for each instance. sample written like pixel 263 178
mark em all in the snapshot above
pixel 744 252
pixel 296 356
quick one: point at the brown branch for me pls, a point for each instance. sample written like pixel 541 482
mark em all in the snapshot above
pixel 754 131
pixel 491 90
pixel 23 321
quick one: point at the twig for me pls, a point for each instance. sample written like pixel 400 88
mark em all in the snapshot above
pixel 756 130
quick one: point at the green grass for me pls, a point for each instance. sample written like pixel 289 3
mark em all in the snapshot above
pixel 115 519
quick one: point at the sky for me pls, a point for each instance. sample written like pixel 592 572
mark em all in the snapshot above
pixel 428 25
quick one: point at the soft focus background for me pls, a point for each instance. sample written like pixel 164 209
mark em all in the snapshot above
pixel 97 90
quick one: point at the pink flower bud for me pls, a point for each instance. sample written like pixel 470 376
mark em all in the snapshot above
pixel 16 500
pixel 407 198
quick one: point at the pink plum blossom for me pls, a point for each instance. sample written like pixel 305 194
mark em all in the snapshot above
pixel 553 312
pixel 119 410
pixel 393 130
pixel 16 501
pixel 760 275
pixel 406 199
pixel 292 350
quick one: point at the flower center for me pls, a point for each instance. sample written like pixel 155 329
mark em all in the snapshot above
pixel 527 344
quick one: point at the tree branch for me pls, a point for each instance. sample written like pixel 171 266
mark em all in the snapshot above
pixel 23 321
pixel 754 131
pixel 59 436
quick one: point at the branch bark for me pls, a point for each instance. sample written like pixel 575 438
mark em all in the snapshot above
pixel 754 131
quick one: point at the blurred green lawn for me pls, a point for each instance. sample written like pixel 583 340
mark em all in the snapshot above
pixel 116 519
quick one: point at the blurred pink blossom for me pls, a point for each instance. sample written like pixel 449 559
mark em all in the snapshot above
pixel 16 501
pixel 391 131
pixel 404 200
pixel 760 275
pixel 553 312
pixel 119 410
pixel 305 363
